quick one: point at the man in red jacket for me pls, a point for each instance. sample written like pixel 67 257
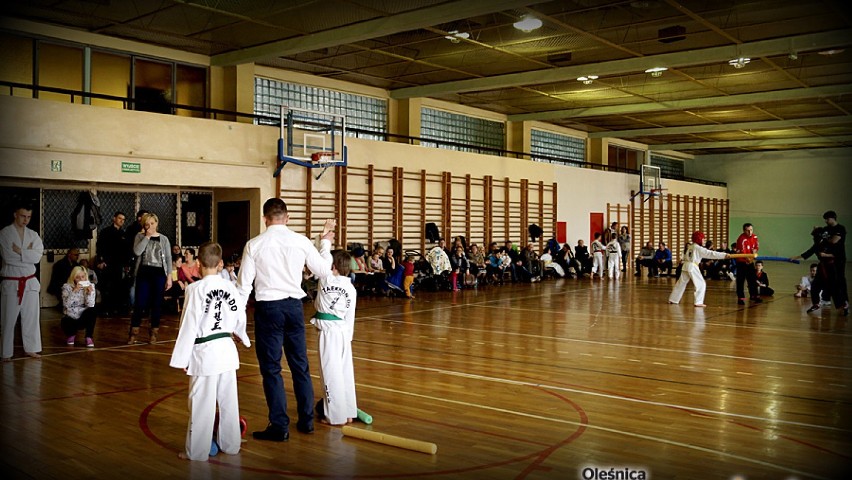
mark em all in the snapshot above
pixel 747 243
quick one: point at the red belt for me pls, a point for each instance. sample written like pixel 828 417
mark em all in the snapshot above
pixel 22 284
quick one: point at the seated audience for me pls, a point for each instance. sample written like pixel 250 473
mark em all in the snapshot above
pixel 191 268
pixel 581 253
pixel 662 260
pixel 645 259
pixel 803 289
pixel 762 278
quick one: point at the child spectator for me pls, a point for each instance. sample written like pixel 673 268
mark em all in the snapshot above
pixel 803 289
pixel 228 273
pixel 213 313
pixel 762 280
pixel 335 320
pixel 408 275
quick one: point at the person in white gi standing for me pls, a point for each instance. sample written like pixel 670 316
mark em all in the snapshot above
pixel 691 259
pixel 598 250
pixel 613 257
pixel 273 263
pixel 335 320
pixel 21 249
pixel 213 314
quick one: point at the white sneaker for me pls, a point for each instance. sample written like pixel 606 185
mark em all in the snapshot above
pixel 731 276
pixel 825 303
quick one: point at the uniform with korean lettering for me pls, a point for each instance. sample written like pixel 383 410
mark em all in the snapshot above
pixel 335 320
pixel 213 312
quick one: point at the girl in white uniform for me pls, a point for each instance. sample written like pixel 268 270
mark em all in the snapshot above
pixel 335 320
pixel 613 257
pixel 213 313
pixel 691 259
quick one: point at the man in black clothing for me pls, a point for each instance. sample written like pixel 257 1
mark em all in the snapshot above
pixel 836 250
pixel 112 247
pixel 61 271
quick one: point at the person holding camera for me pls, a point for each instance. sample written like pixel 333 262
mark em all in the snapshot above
pixel 78 305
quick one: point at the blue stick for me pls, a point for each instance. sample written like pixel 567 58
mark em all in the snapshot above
pixel 776 259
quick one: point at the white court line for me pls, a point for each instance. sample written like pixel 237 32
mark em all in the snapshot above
pixel 624 345
pixel 602 395
pixel 608 430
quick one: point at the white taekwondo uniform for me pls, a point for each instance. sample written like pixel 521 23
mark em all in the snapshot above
pixel 213 311
pixel 691 259
pixel 335 320
pixel 20 289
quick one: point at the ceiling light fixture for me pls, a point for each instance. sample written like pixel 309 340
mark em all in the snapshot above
pixel 588 79
pixel 455 36
pixel 656 71
pixel 739 62
pixel 833 51
pixel 527 23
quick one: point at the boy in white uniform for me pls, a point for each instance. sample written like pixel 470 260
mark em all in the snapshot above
pixel 213 314
pixel 691 259
pixel 335 320
pixel 613 257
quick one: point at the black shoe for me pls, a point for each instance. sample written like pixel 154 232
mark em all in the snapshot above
pixel 272 433
pixel 813 308
pixel 306 429
pixel 756 299
pixel 741 302
pixel 320 411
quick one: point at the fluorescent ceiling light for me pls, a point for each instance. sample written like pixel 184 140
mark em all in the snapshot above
pixel 527 23
pixel 739 62
pixel 455 36
pixel 656 71
pixel 587 79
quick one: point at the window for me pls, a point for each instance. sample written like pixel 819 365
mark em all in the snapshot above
pixel 152 86
pixel 110 76
pixel 16 63
pixel 60 66
pixel 452 127
pixel 557 148
pixel 191 90
pixel 669 167
pixel 624 158
pixel 362 112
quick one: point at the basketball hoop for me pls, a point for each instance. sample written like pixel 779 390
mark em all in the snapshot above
pixel 321 158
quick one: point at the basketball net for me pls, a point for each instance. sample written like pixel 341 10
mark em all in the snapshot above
pixel 323 157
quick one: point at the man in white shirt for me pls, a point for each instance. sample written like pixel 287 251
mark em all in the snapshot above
pixel 273 263
pixel 21 249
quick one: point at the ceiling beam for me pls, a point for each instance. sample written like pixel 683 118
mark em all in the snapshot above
pixel 726 127
pixel 761 48
pixel 705 102
pixel 837 139
pixel 378 27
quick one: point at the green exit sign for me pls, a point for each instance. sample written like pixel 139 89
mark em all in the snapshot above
pixel 131 167
pixel 56 165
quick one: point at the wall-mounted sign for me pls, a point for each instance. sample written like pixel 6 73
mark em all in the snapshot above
pixel 56 165
pixel 131 167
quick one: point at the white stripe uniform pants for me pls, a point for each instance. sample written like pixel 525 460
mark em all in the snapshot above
pixel 204 393
pixel 598 263
pixel 613 265
pixel 29 311
pixel 690 272
pixel 337 373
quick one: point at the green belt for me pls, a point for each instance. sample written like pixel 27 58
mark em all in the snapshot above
pixel 326 316
pixel 212 337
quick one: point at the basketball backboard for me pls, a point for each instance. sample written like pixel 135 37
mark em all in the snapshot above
pixel 311 139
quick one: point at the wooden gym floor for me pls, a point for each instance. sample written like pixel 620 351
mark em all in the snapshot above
pixel 533 381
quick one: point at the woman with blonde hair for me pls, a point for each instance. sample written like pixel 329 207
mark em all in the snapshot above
pixel 78 306
pixel 153 276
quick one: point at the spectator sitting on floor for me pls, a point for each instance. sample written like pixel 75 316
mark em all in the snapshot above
pixel 803 289
pixel 61 271
pixel 763 288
